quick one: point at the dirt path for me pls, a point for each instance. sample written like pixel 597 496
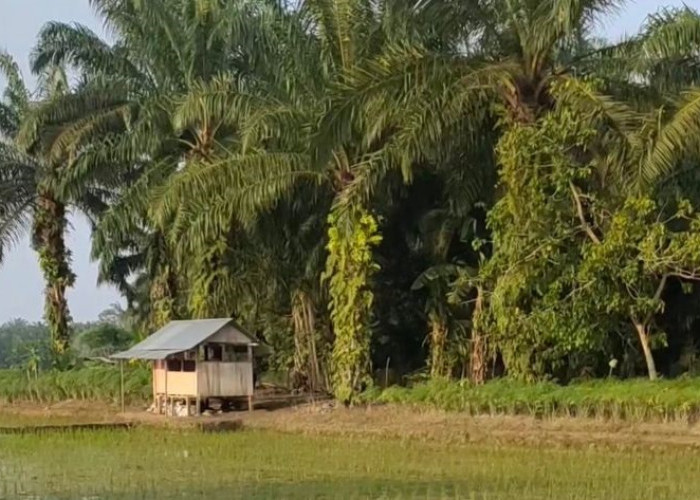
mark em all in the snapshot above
pixel 389 422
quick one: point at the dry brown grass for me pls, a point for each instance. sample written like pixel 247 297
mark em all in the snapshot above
pixel 390 422
pixel 448 427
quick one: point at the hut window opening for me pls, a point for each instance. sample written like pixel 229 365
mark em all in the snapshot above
pixel 238 353
pixel 181 365
pixel 174 365
pixel 214 352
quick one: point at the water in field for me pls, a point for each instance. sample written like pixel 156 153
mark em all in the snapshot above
pixel 169 464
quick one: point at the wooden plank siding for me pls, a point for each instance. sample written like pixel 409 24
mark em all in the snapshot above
pixel 214 378
pixel 179 383
pixel 225 379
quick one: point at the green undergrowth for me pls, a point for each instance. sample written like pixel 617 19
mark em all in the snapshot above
pixel 89 383
pixel 636 400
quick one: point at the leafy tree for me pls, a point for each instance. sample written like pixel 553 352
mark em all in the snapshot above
pixel 563 219
pixel 534 311
pixel 630 268
pixel 104 339
pixel 21 341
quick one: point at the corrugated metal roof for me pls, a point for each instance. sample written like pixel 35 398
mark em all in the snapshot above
pixel 179 336
pixel 134 353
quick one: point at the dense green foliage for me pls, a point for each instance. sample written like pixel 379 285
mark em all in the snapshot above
pixel 485 186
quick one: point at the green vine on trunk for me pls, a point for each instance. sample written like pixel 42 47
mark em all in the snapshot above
pixel 162 300
pixel 349 268
pixel 54 261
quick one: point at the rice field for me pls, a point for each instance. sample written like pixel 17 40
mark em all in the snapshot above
pixel 150 463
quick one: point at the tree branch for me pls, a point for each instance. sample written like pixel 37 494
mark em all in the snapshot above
pixel 582 217
pixel 657 295
pixel 685 275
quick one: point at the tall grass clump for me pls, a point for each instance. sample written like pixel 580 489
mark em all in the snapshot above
pixel 88 383
pixel 637 400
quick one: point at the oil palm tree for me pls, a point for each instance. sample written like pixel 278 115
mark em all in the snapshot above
pixel 30 198
pixel 283 148
pixel 131 126
pixel 502 67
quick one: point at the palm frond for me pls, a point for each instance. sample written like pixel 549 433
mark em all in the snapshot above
pixel 16 96
pixel 238 188
pixel 18 178
pixel 676 139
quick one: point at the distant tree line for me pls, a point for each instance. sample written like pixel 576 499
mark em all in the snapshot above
pixel 26 345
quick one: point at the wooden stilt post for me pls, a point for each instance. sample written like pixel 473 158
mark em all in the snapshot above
pixel 121 369
pixel 197 367
pixel 251 358
pixel 165 406
pixel 156 402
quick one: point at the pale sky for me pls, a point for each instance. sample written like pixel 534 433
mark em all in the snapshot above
pixel 20 280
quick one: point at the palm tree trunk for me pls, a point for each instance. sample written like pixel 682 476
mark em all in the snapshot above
pixel 478 345
pixel 306 359
pixel 162 299
pixel 163 287
pixel 54 259
pixel 438 343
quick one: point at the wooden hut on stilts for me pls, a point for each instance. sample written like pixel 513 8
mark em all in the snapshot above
pixel 197 360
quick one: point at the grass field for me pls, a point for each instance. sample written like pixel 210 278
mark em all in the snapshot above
pixel 168 464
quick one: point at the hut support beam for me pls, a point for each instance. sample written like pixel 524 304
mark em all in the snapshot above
pixel 156 401
pixel 121 383
pixel 251 358
pixel 165 406
pixel 198 398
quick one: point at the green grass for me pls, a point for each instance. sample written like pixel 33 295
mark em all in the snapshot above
pixel 164 464
pixel 634 400
pixel 90 383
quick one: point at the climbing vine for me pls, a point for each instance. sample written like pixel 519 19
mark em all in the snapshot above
pixel 54 262
pixel 352 235
pixel 535 315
